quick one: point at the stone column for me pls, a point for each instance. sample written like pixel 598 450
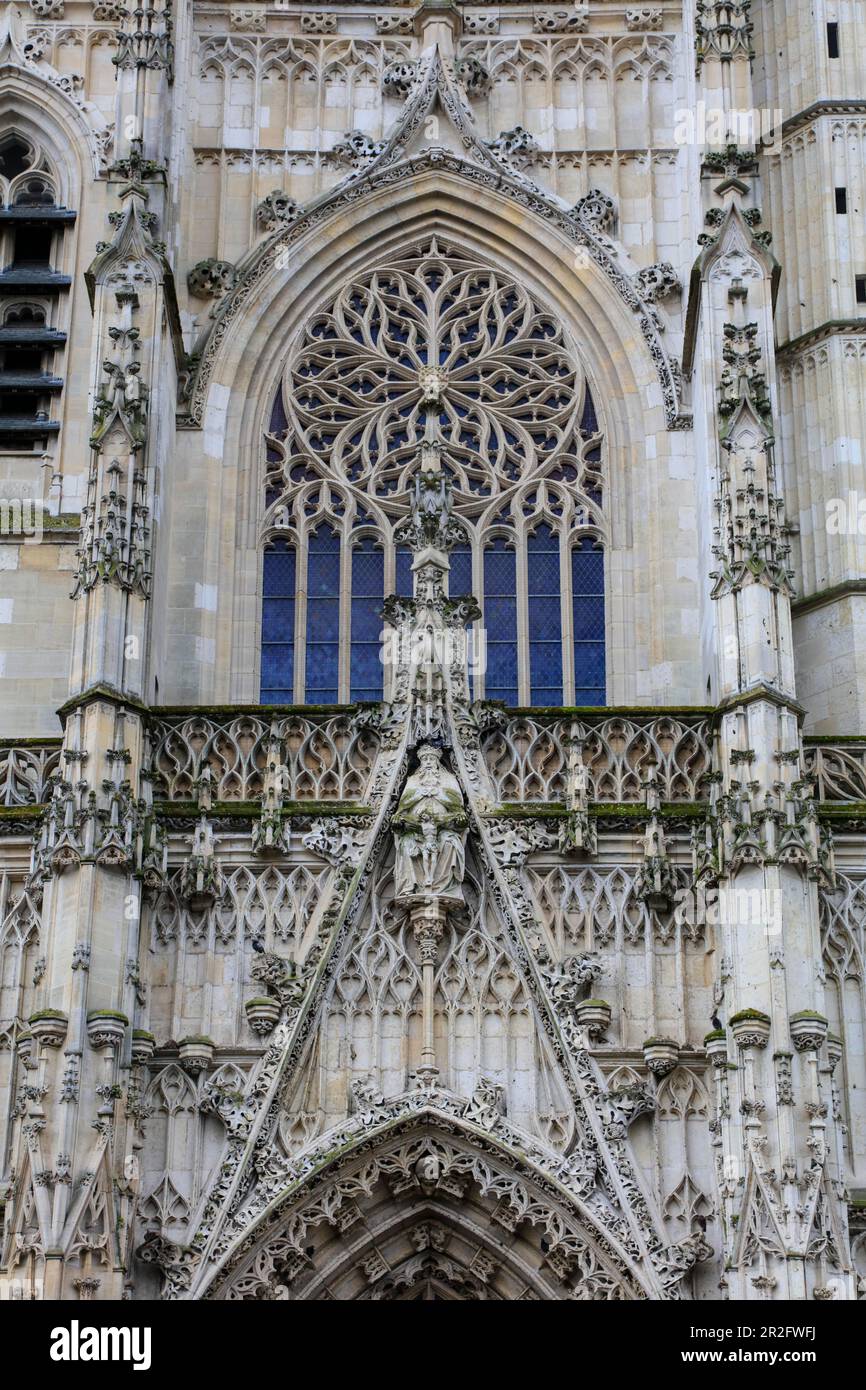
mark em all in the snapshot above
pixel 97 845
pixel 762 853
pixel 428 917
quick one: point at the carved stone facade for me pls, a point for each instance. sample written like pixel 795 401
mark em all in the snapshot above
pixel 503 996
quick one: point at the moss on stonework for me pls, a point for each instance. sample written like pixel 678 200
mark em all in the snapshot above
pixel 746 1014
pixel 197 1040
pixel 808 1013
pixel 231 711
pixel 46 1013
pixel 635 810
pixel 841 810
pixel 825 740
pixel 717 1035
pixel 104 692
pixel 52 741
pixel 601 711
pixel 143 1033
pixel 251 810
pixel 107 1013
pixel 662 1042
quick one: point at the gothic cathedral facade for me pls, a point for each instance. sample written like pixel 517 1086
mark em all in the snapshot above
pixel 433 650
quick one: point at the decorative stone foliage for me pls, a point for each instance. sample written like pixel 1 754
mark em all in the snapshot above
pixel 211 278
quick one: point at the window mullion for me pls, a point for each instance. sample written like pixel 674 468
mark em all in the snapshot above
pixel 567 612
pixel 344 654
pixel 524 689
pixel 301 617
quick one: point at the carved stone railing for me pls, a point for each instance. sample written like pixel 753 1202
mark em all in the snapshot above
pixel 25 767
pixel 527 757
pixel 325 756
pixel 838 767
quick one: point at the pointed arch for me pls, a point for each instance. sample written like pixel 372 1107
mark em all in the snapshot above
pixel 41 109
pixel 293 273
pixel 504 1212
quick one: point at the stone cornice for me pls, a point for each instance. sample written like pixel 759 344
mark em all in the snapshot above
pixel 95 693
pixel 846 589
pixel 827 106
pixel 831 328
pixel 752 696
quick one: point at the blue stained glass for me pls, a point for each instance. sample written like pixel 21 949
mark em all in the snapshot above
pixel 588 420
pixel 366 668
pixel 323 620
pixel 589 619
pixel 459 584
pixel 587 596
pixel 366 620
pixel 545 621
pixel 323 616
pixel 506 693
pixel 499 570
pixel 500 621
pixel 460 578
pixel 278 624
pixel 278 620
pixel 501 618
pixel 272 666
pixel 279 571
pixel 587 569
pixel 545 616
pixel 404 572
pixel 278 423
pixel 368 592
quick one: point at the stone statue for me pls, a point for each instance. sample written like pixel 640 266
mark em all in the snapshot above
pixel 430 832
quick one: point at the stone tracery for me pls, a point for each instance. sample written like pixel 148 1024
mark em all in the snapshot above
pixel 435 353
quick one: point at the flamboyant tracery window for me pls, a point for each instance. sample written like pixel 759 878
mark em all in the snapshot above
pixel 434 348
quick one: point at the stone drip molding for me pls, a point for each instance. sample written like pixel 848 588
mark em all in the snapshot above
pixel 584 225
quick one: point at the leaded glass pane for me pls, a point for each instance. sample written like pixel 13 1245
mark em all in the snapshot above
pixel 278 624
pixel 587 597
pixel 460 577
pixel 368 593
pixel 404 572
pixel 500 621
pixel 323 616
pixel 544 586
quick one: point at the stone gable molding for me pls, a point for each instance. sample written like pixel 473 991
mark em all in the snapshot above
pixel 480 165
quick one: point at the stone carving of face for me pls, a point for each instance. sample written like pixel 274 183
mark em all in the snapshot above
pixel 428 759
